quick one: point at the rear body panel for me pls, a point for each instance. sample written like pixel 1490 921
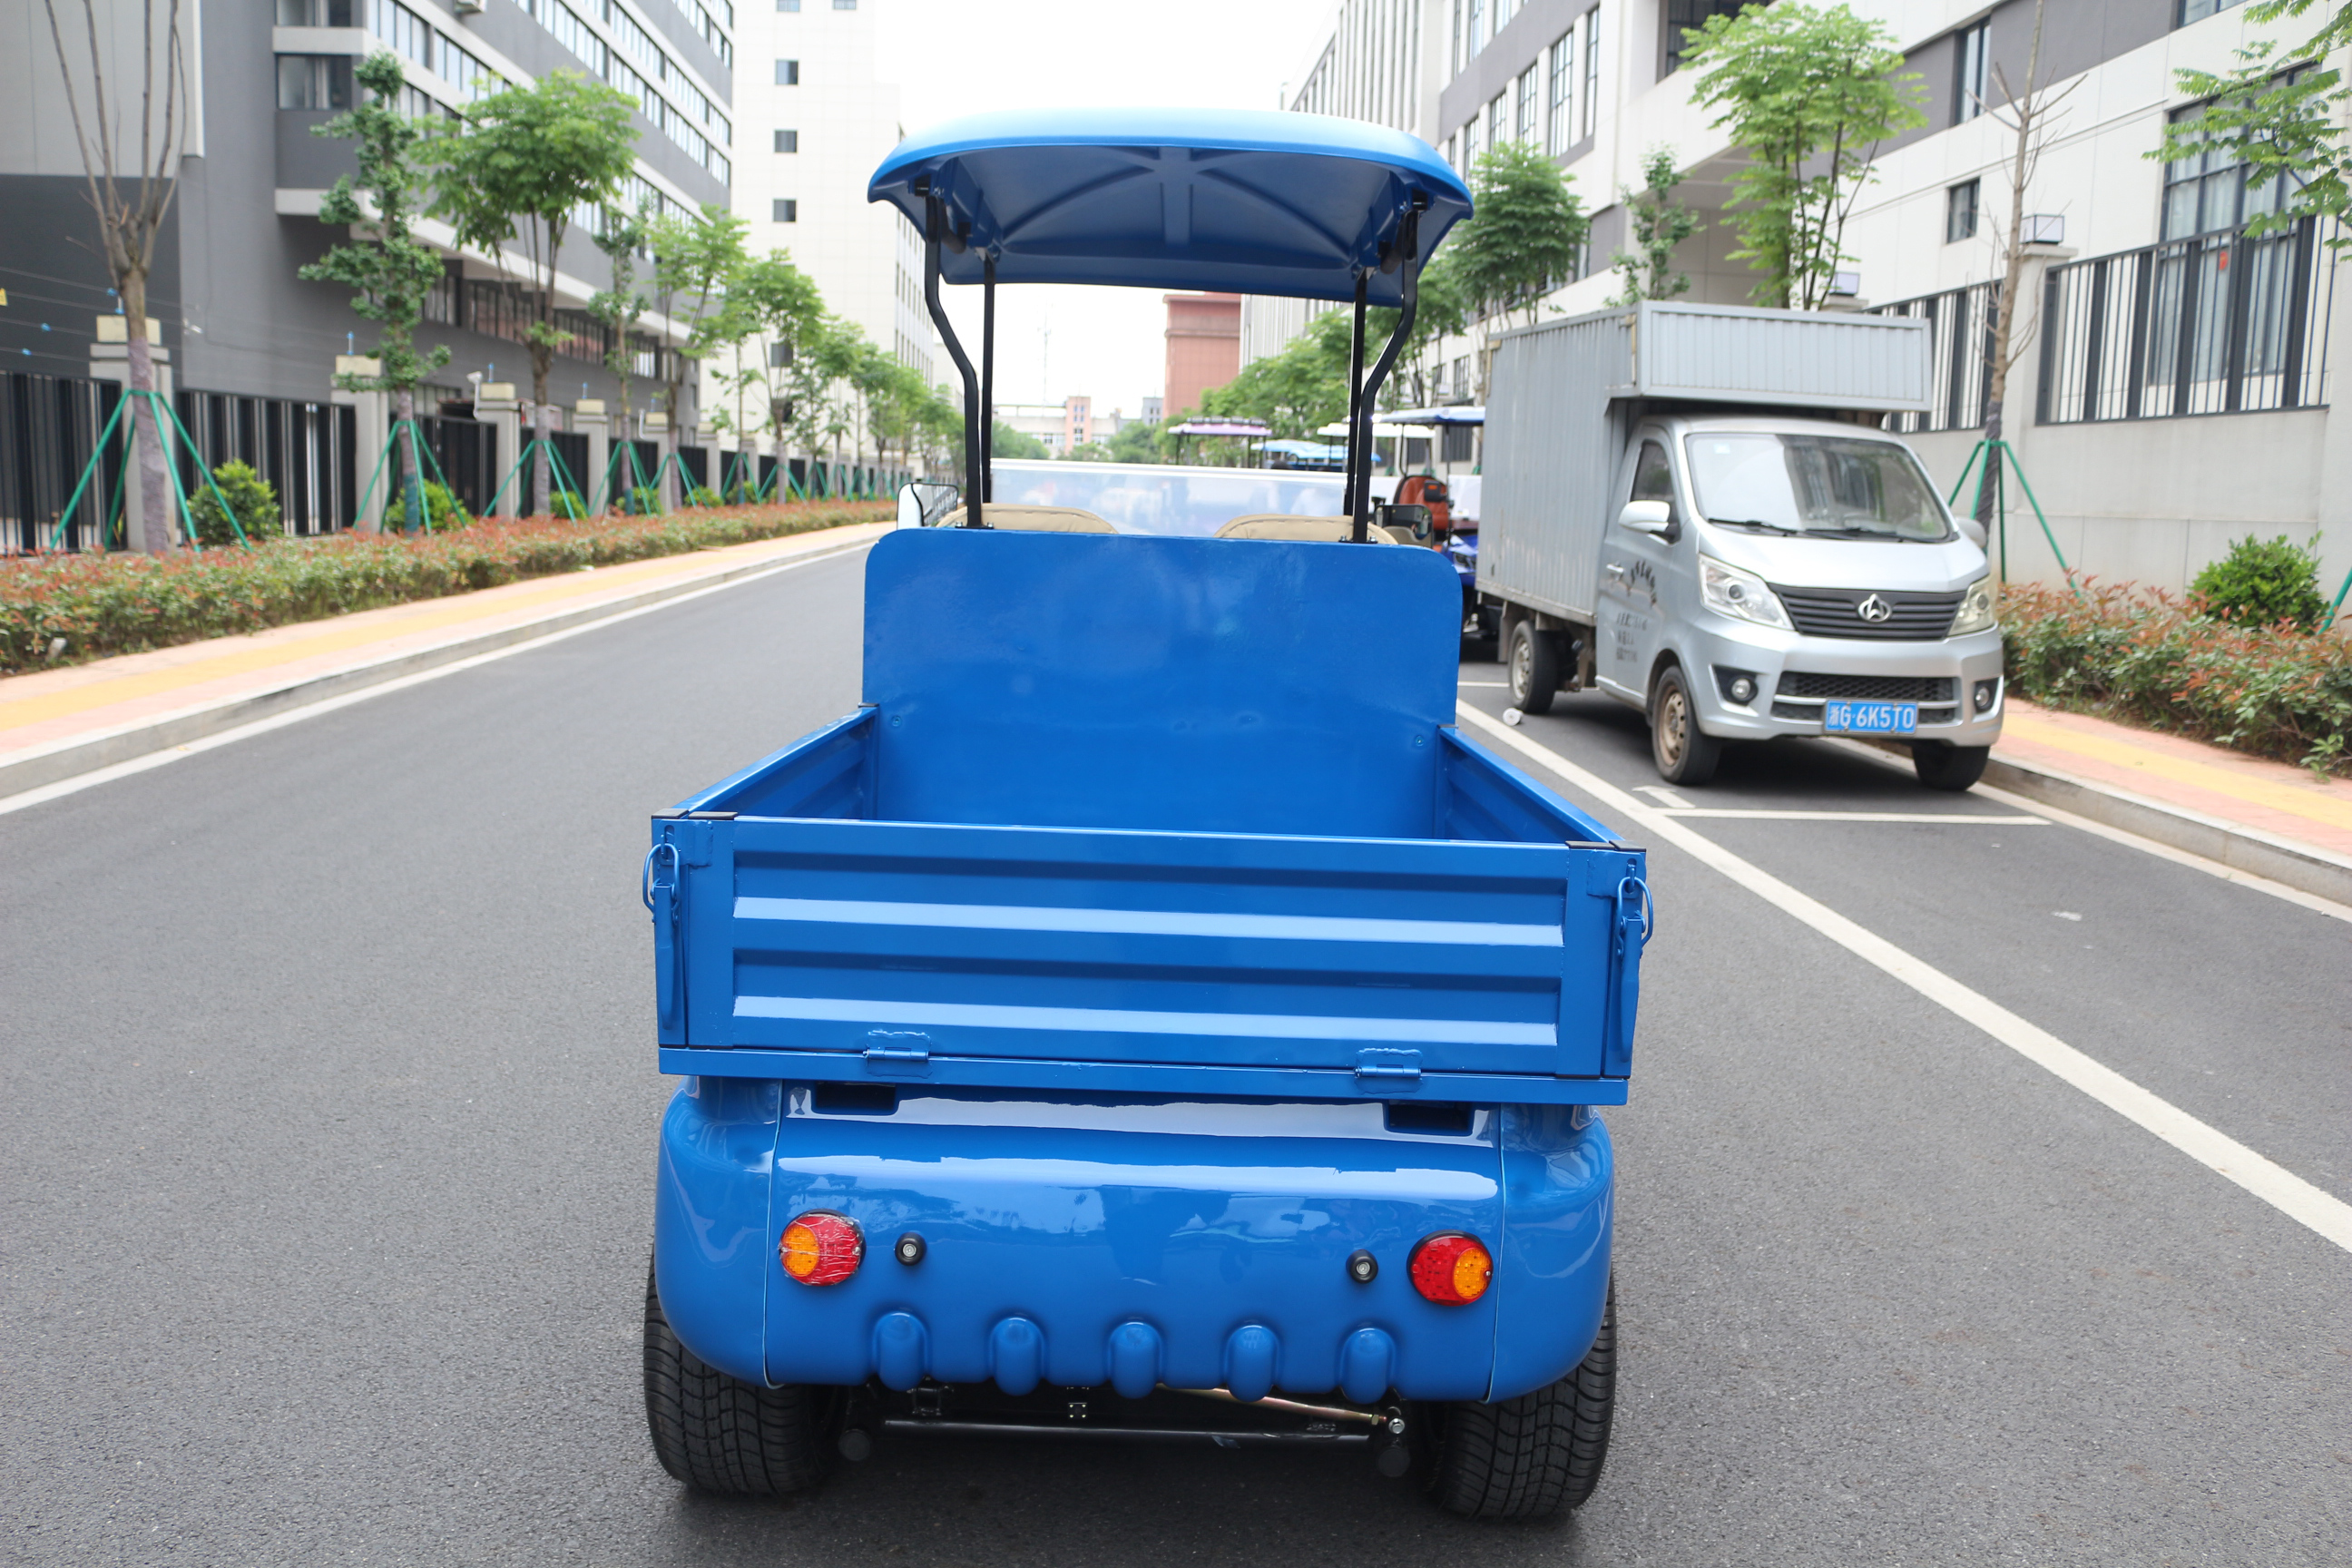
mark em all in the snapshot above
pixel 1130 1244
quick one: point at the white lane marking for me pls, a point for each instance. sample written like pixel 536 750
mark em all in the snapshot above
pixel 1665 796
pixel 113 771
pixel 2276 1185
pixel 2227 873
pixel 1854 816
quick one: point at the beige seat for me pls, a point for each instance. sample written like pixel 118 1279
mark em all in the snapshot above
pixel 1033 519
pixel 1287 525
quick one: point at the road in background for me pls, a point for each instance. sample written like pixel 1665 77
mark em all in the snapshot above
pixel 330 1119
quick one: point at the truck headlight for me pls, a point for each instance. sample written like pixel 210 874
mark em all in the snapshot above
pixel 1976 609
pixel 1731 592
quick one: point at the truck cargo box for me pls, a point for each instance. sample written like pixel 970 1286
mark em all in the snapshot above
pixel 1559 392
pixel 1149 816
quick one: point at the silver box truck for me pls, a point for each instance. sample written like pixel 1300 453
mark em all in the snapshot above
pixel 1692 509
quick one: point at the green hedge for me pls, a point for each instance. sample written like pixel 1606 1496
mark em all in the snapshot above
pixel 2146 658
pixel 105 605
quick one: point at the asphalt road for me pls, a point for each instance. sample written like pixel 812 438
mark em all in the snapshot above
pixel 326 1158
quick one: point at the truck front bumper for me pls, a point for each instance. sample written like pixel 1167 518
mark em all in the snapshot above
pixel 1132 1244
pixel 1795 675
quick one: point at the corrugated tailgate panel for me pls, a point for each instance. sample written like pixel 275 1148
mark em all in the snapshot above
pixel 1549 452
pixel 860 946
pixel 1809 359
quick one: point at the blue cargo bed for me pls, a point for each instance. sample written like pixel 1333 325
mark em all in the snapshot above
pixel 1148 815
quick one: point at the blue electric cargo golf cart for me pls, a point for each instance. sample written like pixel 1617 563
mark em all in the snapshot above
pixel 1147 1015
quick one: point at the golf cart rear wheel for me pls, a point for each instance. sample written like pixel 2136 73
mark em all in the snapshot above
pixel 1942 765
pixel 1533 1455
pixel 1534 659
pixel 1685 754
pixel 720 1434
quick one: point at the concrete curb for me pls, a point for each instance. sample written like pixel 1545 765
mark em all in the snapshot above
pixel 2304 867
pixel 59 760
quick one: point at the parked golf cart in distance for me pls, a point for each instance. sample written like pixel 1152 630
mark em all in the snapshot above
pixel 1147 1013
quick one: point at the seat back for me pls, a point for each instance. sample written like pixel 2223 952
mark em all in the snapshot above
pixel 1034 519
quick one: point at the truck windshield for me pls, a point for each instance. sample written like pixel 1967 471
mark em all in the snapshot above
pixel 1831 486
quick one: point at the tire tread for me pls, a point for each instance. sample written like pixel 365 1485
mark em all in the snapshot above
pixel 719 1433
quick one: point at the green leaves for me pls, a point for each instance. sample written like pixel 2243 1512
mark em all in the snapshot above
pixel 1527 237
pixel 1808 94
pixel 2284 125
pixel 1658 226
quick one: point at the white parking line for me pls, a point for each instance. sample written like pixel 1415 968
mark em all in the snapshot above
pixel 2273 1183
pixel 1852 815
pixel 107 774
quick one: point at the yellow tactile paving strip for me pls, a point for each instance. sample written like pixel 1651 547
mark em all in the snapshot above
pixel 48 705
pixel 2288 802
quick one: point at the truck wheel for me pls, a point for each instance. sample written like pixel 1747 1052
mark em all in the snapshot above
pixel 1685 754
pixel 1534 668
pixel 1942 765
pixel 717 1433
pixel 1533 1455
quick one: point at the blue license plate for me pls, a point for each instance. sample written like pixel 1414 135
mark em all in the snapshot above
pixel 1870 718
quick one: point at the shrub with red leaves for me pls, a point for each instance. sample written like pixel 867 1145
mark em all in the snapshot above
pixel 2145 656
pixel 105 605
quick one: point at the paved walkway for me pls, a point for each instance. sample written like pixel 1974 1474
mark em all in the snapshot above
pixel 2286 802
pixel 46 708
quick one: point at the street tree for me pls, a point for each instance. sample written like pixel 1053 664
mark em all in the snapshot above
pixel 696 261
pixel 2281 112
pixel 1526 239
pixel 1808 94
pixel 524 160
pixel 784 306
pixel 1659 225
pixel 624 237
pixel 132 174
pixel 389 270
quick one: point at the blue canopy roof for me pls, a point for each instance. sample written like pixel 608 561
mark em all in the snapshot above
pixel 1250 201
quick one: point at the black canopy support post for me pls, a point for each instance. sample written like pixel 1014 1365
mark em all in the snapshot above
pixel 1406 254
pixel 935 234
pixel 987 382
pixel 1348 494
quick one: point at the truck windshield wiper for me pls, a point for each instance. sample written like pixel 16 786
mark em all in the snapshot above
pixel 1751 522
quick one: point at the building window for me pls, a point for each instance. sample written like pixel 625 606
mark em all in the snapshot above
pixel 1560 69
pixel 788 73
pixel 1684 16
pixel 788 141
pixel 1470 146
pixel 789 7
pixel 1477 25
pixel 1960 212
pixel 314 81
pixel 2209 190
pixel 1456 56
pixel 1591 72
pixel 784 210
pixel 1530 104
pixel 1499 123
pixel 845 5
pixel 1454 153
pixel 2198 10
pixel 1970 70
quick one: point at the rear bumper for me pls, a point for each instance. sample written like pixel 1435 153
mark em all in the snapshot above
pixel 1956 664
pixel 1131 1243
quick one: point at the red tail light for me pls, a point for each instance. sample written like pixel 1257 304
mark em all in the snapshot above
pixel 821 1248
pixel 1451 1268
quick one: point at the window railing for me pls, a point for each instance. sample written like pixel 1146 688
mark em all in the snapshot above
pixel 2226 322
pixel 1957 323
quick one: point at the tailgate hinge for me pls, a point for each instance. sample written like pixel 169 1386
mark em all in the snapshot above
pixel 1390 1068
pixel 892 1053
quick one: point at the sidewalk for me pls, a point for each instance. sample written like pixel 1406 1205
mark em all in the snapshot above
pixel 2266 818
pixel 56 723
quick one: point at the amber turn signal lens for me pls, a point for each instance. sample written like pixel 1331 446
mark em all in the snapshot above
pixel 821 1248
pixel 1451 1268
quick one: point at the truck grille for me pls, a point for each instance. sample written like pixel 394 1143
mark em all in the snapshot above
pixel 1923 689
pixel 1836 613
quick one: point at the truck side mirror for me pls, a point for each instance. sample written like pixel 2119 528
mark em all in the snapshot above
pixel 1652 517
pixel 921 505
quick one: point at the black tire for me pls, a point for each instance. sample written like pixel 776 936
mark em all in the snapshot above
pixel 719 1433
pixel 1533 657
pixel 1685 754
pixel 1531 1456
pixel 1942 765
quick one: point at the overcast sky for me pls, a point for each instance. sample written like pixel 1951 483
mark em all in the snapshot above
pixel 952 57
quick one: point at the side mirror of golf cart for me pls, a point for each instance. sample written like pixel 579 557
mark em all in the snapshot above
pixel 921 505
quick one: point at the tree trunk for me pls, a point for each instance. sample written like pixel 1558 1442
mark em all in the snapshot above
pixel 540 364
pixel 411 482
pixel 159 515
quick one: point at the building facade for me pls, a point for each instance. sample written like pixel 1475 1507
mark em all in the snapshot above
pixel 251 347
pixel 1204 334
pixel 2167 346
